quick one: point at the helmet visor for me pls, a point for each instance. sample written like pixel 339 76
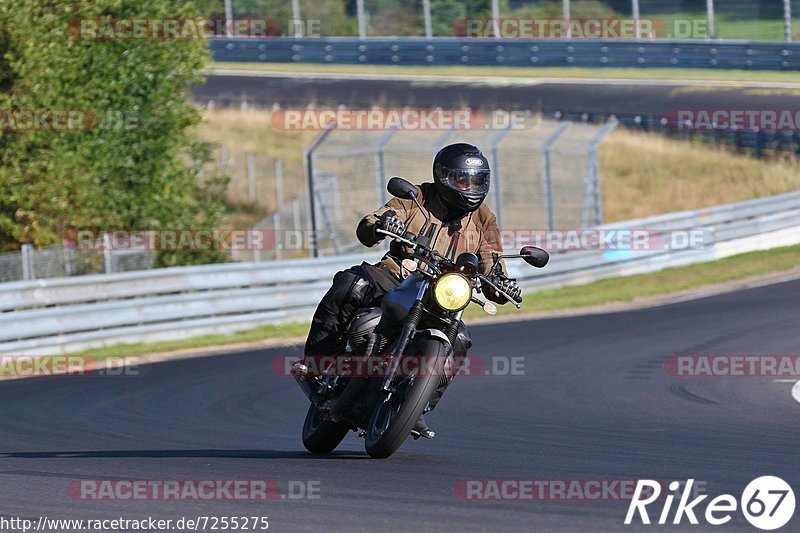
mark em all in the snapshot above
pixel 475 180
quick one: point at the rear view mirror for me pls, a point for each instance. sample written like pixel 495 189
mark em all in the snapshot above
pixel 534 256
pixel 402 188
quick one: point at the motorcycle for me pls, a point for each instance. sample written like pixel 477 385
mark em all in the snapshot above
pixel 398 354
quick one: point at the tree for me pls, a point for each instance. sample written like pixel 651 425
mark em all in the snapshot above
pixel 134 163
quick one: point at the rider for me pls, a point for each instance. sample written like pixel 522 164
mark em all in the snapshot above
pixel 455 202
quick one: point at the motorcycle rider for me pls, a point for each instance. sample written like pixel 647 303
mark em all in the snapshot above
pixel 455 202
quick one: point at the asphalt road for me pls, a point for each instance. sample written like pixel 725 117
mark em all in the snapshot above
pixel 576 96
pixel 594 403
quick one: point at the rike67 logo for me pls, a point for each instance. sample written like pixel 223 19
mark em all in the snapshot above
pixel 767 503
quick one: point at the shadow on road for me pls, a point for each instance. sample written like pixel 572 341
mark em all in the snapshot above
pixel 229 454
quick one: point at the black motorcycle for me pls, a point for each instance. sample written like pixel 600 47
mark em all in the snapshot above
pixel 399 353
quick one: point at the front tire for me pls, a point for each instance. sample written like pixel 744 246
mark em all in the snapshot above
pixel 321 436
pixel 392 421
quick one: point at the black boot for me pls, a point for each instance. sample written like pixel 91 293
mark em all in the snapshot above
pixel 421 429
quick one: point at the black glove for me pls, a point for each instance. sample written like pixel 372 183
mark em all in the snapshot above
pixel 508 286
pixel 389 222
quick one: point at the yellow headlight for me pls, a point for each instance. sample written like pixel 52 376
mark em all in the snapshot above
pixel 452 292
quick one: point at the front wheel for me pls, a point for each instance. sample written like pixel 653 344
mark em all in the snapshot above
pixel 393 419
pixel 321 436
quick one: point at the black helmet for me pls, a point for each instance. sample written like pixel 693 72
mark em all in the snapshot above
pixel 461 174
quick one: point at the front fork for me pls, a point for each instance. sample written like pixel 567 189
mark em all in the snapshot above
pixel 409 327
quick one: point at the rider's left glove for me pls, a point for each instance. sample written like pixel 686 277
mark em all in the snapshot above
pixel 508 286
pixel 389 222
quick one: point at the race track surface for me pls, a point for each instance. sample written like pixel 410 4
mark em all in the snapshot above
pixel 594 403
pixel 567 96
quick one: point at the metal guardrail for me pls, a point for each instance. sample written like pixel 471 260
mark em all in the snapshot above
pixel 751 55
pixel 59 315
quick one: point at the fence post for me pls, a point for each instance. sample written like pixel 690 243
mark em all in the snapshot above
pixel 593 193
pixel 566 11
pixel 380 171
pixel 276 226
pixel 712 33
pixel 426 13
pixel 27 262
pixel 635 13
pixel 362 23
pixel 494 143
pixel 548 179
pixel 296 214
pixel 308 157
pixel 787 20
pixel 228 18
pixel 251 178
pixel 107 265
pixel 296 17
pixel 278 183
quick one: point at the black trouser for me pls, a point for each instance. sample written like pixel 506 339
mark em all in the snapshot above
pixel 351 290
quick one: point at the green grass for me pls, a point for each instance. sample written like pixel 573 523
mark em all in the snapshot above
pixel 522 72
pixel 625 289
pixel 606 291
pixel 288 330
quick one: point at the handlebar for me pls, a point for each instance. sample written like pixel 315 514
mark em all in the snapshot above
pixel 515 301
pixel 484 279
pixel 398 237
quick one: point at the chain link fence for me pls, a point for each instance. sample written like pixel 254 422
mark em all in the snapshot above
pixel 545 176
pixel 58 262
pixel 687 19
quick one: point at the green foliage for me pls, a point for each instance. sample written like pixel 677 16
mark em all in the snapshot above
pixel 589 9
pixel 331 14
pixel 137 171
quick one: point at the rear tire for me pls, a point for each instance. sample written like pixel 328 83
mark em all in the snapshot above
pixel 322 436
pixel 382 442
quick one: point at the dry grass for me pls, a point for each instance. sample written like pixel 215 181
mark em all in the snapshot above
pixel 642 174
pixel 646 174
pixel 242 131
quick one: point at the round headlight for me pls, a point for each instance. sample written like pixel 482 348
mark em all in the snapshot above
pixel 452 292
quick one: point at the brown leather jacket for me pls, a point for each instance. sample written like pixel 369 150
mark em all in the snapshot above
pixel 476 232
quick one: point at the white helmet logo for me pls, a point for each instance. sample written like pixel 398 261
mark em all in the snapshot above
pixel 474 161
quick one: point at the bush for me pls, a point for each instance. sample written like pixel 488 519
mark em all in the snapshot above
pixel 135 166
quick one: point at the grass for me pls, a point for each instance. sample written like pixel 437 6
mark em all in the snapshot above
pixel 288 330
pixel 645 174
pixel 611 290
pixel 642 173
pixel 250 131
pixel 679 74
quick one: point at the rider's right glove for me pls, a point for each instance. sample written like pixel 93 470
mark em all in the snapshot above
pixel 389 222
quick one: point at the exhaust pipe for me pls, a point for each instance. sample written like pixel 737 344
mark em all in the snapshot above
pixel 300 372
